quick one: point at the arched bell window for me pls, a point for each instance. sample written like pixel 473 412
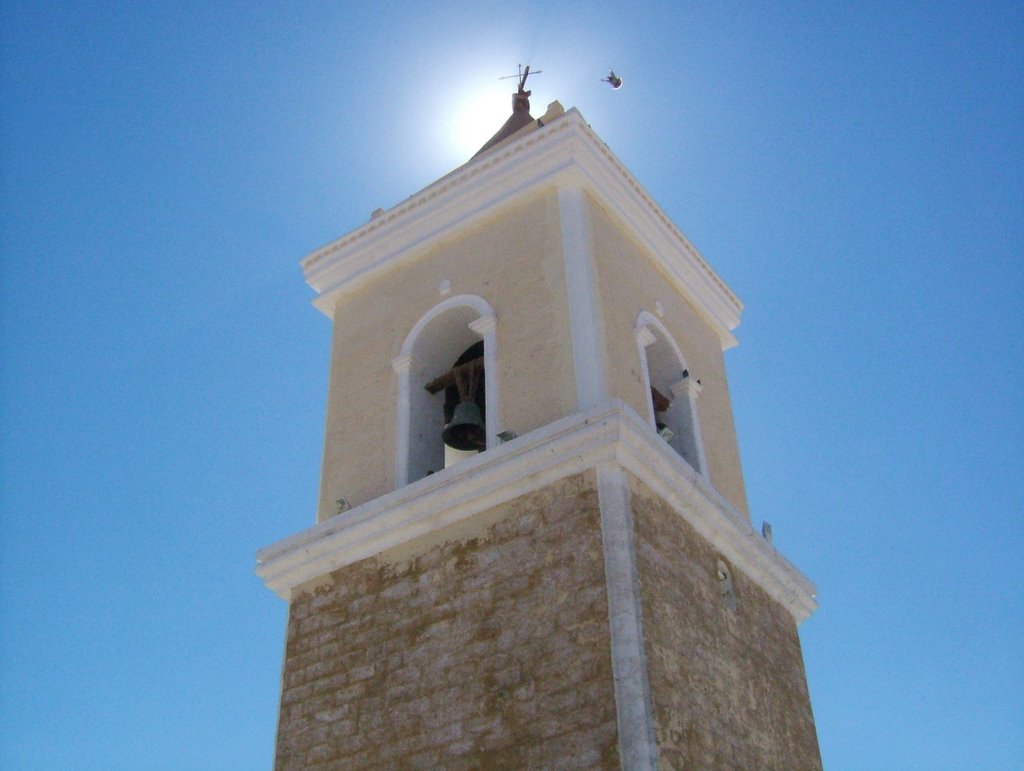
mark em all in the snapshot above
pixel 672 391
pixel 447 390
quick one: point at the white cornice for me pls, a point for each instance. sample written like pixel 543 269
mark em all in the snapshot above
pixel 563 153
pixel 610 433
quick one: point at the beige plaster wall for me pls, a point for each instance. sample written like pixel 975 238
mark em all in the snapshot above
pixel 467 651
pixel 513 259
pixel 727 684
pixel 628 283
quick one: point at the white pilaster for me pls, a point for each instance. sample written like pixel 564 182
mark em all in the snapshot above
pixel 690 388
pixel 645 338
pixel 633 707
pixel 584 313
pixel 402 365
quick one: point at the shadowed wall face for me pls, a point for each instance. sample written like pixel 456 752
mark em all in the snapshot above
pixel 724 661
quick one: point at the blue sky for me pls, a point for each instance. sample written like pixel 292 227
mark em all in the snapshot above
pixel 854 171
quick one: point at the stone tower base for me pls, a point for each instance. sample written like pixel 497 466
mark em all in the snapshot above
pixel 488 645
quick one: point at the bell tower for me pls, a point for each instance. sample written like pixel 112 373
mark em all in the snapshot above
pixel 533 548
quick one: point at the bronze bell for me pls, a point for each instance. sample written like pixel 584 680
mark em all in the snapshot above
pixel 466 431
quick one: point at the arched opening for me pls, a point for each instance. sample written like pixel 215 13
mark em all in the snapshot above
pixel 447 358
pixel 672 391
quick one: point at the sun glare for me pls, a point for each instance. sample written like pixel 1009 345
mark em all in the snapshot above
pixel 476 118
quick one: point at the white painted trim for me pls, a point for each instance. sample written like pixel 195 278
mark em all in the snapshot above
pixel 402 365
pixel 610 432
pixel 633 707
pixel 690 389
pixel 646 319
pixel 564 153
pixel 645 338
pixel 584 316
pixel 479 304
pixel 669 476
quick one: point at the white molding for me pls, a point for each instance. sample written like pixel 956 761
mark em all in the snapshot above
pixel 610 432
pixel 647 319
pixel 584 316
pixel 402 366
pixel 642 342
pixel 564 153
pixel 403 363
pixel 484 324
pixel 644 336
pixel 669 476
pixel 634 711
pixel 479 304
pixel 690 388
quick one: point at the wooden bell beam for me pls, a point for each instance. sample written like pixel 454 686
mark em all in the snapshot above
pixel 661 402
pixel 449 378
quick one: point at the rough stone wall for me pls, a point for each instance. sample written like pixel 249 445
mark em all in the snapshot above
pixel 727 683
pixel 490 651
